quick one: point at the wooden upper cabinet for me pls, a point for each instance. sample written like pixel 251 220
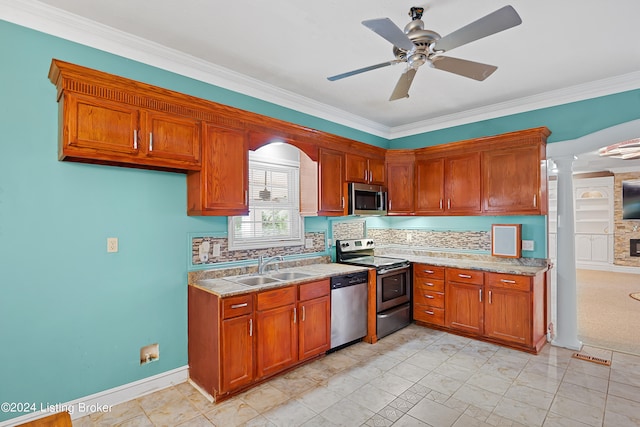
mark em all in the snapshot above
pixel 331 183
pixel 430 186
pixel 102 131
pixel 400 188
pixel 365 170
pixel 462 183
pixel 171 139
pixel 513 181
pixel 221 186
pixel 448 185
pixel 93 126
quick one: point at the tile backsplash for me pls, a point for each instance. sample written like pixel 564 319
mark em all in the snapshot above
pixel 226 255
pixel 450 240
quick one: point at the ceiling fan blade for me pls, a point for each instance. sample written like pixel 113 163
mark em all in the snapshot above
pixel 389 31
pixel 362 70
pixel 500 20
pixel 404 83
pixel 462 67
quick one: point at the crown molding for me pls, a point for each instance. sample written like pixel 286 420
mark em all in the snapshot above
pixel 44 18
pixel 41 17
pixel 566 95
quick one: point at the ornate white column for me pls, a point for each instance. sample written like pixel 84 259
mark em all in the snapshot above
pixel 566 330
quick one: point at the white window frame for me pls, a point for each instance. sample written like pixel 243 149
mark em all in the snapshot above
pixel 296 235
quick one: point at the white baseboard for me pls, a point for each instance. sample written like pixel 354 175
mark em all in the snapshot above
pixel 103 400
pixel 607 267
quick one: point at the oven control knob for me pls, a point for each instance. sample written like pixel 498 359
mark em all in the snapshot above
pixel 344 245
pixel 370 242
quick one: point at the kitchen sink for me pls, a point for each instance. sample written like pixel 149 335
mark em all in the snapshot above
pixel 289 275
pixel 256 280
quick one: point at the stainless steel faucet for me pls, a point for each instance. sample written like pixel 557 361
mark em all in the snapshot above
pixel 263 262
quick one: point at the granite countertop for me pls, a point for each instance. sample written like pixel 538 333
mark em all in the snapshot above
pixel 484 262
pixel 223 283
pixel 227 286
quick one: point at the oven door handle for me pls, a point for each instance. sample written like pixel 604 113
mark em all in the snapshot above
pixel 392 270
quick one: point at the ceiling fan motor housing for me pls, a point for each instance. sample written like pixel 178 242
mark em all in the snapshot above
pixel 422 40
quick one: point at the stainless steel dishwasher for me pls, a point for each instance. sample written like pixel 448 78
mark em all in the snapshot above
pixel 349 301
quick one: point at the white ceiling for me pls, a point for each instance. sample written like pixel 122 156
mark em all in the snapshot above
pixel 282 51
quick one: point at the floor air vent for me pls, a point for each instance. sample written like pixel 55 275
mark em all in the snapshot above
pixel 592 359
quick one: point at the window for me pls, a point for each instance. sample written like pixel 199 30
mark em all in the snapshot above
pixel 274 207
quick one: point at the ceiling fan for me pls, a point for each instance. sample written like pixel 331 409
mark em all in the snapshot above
pixel 417 46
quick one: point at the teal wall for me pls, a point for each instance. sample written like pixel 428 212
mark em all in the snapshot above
pixel 566 122
pixel 72 316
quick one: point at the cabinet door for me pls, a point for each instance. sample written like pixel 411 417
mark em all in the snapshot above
pixel 330 182
pixel 356 168
pixel 276 339
pixel 508 316
pixel 400 188
pixel 220 187
pixel 430 186
pixel 583 247
pixel 172 140
pixel 464 309
pixel 511 180
pixel 98 129
pixel 314 327
pixel 600 248
pixel 462 184
pixel 236 353
pixel 377 172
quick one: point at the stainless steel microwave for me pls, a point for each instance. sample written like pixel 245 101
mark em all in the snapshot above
pixel 366 199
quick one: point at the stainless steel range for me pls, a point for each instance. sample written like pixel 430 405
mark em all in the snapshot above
pixel 393 283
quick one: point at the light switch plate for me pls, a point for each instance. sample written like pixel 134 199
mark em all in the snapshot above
pixel 527 245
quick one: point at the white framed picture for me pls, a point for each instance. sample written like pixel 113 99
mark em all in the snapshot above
pixel 506 240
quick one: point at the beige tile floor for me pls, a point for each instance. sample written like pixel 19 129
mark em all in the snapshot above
pixel 415 377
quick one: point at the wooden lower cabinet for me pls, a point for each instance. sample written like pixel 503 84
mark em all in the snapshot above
pixel 238 341
pixel 515 309
pixel 464 310
pixel 276 330
pixel 314 328
pixel 507 309
pixel 428 294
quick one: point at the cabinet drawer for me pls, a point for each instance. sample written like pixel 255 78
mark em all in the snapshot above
pixel 426 284
pixel 237 306
pixel 434 299
pixel 428 271
pixel 276 298
pixel 314 290
pixel 465 276
pixel 427 314
pixel 509 281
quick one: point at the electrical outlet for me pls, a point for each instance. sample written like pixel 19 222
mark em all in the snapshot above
pixel 409 237
pixel 308 243
pixel 112 244
pixel 149 353
pixel 527 245
pixel 216 249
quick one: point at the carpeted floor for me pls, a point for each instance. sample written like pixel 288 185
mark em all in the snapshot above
pixel 607 316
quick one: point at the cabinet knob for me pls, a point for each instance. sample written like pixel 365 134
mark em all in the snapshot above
pixel 508 281
pixel 429 312
pixel 464 276
pixel 428 296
